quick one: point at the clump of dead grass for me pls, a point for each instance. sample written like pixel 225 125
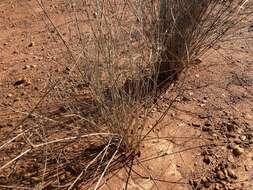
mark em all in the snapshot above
pixel 124 53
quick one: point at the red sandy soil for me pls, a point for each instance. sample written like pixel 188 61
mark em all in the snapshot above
pixel 205 141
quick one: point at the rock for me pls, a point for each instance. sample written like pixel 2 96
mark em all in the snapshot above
pixel 208 123
pixel 246 168
pixel 16 99
pixel 237 151
pixel 215 135
pixel 154 110
pixel 221 175
pixel 204 101
pixel 231 158
pixel 204 115
pixel 173 114
pixel 243 137
pixel 27 67
pixel 196 124
pixel 37 58
pixel 204 179
pixel 28 83
pixel 202 105
pixel 237 141
pixel 230 135
pixel 232 174
pixel 31 44
pixel 19 82
pixel 9 95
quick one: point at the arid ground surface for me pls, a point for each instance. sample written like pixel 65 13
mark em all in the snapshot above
pixel 204 142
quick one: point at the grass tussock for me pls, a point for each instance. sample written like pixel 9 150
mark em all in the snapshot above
pixel 124 53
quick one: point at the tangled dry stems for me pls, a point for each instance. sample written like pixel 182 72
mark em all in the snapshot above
pixel 124 53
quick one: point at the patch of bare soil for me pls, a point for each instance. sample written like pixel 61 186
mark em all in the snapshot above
pixel 205 141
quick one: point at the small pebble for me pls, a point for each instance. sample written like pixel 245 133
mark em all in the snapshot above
pixel 27 67
pixel 220 175
pixel 237 141
pixel 31 44
pixel 19 82
pixel 202 105
pixel 208 123
pixel 243 137
pixel 196 124
pixel 237 151
pixel 231 158
pixel 232 174
pixel 9 95
pixel 246 168
pixel 173 114
pixel 17 99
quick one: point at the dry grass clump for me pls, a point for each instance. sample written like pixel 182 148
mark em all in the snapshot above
pixel 124 52
pixel 188 29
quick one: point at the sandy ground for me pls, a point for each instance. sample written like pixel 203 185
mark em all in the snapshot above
pixel 205 141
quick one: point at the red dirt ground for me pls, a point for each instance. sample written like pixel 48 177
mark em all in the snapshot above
pixel 205 141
